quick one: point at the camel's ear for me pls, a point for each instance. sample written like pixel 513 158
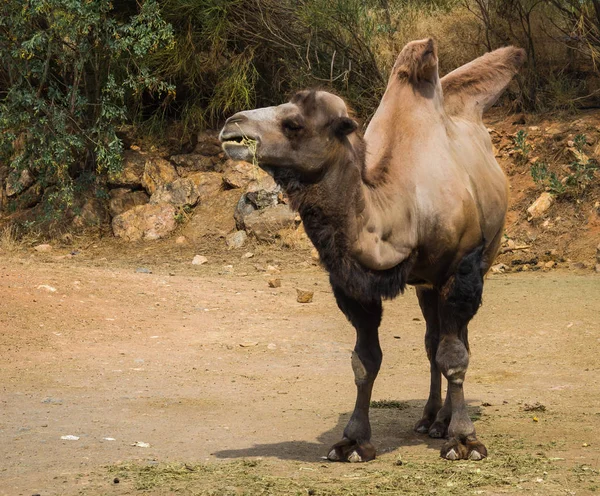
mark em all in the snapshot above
pixel 418 61
pixel 342 126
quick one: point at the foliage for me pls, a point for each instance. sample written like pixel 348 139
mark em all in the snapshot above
pixel 71 72
pixel 522 148
pixel 580 174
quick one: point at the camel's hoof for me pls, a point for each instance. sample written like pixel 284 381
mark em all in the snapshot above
pixel 452 455
pixel 475 455
pixel 422 426
pixel 333 456
pixel 354 457
pixel 464 449
pixel 438 430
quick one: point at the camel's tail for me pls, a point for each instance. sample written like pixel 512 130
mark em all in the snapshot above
pixel 474 87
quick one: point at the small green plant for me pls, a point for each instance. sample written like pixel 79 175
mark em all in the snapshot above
pixel 392 404
pixel 183 214
pixel 547 179
pixel 521 147
pixel 574 184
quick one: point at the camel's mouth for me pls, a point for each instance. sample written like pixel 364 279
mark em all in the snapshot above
pixel 238 146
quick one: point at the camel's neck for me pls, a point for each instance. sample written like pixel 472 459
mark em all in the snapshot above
pixel 342 217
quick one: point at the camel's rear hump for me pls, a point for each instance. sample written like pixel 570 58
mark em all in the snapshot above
pixel 474 87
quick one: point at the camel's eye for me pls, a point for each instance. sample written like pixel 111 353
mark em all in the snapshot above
pixel 292 125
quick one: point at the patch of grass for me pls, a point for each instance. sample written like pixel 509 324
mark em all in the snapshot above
pixel 511 468
pixel 392 404
pixel 8 240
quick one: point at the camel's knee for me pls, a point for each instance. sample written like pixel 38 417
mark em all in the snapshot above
pixel 452 358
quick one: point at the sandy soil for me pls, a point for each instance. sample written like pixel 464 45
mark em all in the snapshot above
pixel 208 364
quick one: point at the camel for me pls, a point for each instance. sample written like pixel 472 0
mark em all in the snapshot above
pixel 420 200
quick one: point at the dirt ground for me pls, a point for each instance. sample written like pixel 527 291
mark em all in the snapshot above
pixel 239 389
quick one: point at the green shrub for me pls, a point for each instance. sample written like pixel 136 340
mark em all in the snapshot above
pixel 71 70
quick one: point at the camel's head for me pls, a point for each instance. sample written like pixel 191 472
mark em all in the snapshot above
pixel 301 134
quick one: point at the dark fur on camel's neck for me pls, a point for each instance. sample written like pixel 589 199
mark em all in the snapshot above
pixel 325 206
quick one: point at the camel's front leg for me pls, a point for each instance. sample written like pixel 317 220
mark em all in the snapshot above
pixel 355 445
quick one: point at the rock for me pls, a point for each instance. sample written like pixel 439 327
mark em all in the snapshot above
pixel 193 162
pixel 124 199
pixel 208 144
pixel 180 192
pixel 18 181
pixel 43 248
pixel 143 270
pixel 540 206
pixel 146 222
pixel 212 217
pixel 264 224
pixel 314 254
pixel 303 296
pixel 549 265
pixel 48 288
pixel 275 283
pixel 598 254
pixel 239 173
pixel 263 192
pixel 181 240
pixel 93 213
pixel 199 260
pixel 29 198
pixel 157 172
pixel 207 184
pixel 247 255
pixel 134 163
pixel 580 157
pixel 598 267
pixel 499 268
pixel 242 210
pixel 236 239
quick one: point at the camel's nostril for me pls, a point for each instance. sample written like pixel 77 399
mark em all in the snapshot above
pixel 236 119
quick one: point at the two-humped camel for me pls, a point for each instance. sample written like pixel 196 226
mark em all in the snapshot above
pixel 420 200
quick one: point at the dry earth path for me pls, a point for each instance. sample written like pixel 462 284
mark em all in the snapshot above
pixel 212 368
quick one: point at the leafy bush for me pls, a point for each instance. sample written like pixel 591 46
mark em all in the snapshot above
pixel 71 71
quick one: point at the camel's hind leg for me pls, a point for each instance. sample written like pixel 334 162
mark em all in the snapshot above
pixel 355 445
pixel 436 417
pixel 459 300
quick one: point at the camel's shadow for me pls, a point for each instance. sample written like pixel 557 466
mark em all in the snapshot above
pixel 392 429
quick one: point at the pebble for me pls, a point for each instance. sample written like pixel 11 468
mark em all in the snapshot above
pixel 70 437
pixel 304 296
pixel 274 283
pixel 181 240
pixel 248 254
pixel 143 270
pixel 47 288
pixel 141 444
pixel 43 248
pixel 199 260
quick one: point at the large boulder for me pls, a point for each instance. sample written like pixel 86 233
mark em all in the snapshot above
pixel 207 184
pixel 212 217
pixel 263 192
pixel 93 213
pixel 239 173
pixel 180 192
pixel 188 190
pixel 193 162
pixel 122 199
pixel 146 222
pixel 18 181
pixel 130 176
pixel 157 172
pixel 208 144
pixel 266 223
